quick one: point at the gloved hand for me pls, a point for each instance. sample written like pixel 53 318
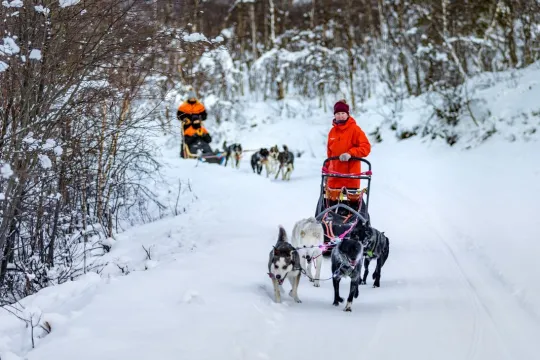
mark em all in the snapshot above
pixel 344 157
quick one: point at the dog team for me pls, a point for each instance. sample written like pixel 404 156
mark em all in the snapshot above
pixel 273 160
pixel 289 259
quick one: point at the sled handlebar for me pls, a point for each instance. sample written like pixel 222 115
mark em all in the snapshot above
pixel 366 175
pixel 353 158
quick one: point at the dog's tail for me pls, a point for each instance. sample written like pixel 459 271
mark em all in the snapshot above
pixel 282 237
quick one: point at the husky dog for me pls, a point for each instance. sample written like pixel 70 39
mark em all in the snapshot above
pixel 347 262
pixel 259 159
pixel 274 152
pixel 284 262
pixel 307 235
pixel 272 163
pixel 377 247
pixel 233 152
pixel 286 163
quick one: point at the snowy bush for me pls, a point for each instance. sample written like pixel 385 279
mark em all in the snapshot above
pixel 76 159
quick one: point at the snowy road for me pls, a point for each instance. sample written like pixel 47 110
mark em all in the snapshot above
pixel 436 300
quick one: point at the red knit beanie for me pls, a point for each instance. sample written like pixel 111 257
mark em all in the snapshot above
pixel 341 106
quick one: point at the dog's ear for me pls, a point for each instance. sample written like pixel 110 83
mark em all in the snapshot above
pixel 282 237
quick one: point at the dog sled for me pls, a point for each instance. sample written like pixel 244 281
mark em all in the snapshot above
pixel 202 151
pixel 340 209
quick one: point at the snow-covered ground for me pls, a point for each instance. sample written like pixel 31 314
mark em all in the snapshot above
pixel 460 283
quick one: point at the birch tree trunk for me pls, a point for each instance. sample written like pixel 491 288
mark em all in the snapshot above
pixel 253 30
pixel 272 12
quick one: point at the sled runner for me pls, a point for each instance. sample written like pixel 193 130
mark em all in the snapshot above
pixel 340 209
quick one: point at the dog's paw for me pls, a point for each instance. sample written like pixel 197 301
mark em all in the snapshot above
pixel 362 282
pixel 316 284
pixel 376 285
pixel 337 301
pixel 347 309
pixel 298 300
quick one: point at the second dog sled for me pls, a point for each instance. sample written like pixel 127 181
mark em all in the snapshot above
pixel 339 210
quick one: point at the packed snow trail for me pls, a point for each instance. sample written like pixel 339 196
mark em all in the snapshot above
pixel 215 301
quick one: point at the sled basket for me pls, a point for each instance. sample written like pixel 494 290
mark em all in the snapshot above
pixel 344 194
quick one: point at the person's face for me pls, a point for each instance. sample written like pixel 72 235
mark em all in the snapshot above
pixel 341 116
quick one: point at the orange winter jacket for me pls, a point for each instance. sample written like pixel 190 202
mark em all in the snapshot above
pixel 346 138
pixel 185 110
pixel 198 132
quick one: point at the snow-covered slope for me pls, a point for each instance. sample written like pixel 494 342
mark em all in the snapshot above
pixel 501 106
pixel 460 283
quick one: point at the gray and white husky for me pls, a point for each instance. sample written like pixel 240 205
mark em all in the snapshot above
pixel 284 263
pixel 307 235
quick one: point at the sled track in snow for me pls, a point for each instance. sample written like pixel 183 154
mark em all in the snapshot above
pixel 481 310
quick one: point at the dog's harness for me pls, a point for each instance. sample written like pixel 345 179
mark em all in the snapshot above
pixel 373 243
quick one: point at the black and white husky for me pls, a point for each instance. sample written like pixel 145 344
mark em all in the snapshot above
pixel 284 263
pixel 233 152
pixel 347 262
pixel 377 247
pixel 286 163
pixel 258 159
pixel 307 235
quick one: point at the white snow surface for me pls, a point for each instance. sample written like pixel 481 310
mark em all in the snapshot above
pixel 9 47
pixel 42 9
pixel 461 281
pixel 13 4
pixel 35 54
pixel 194 37
pixel 66 3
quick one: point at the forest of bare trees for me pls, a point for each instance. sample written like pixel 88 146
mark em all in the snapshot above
pixel 75 114
pixel 74 122
pixel 412 45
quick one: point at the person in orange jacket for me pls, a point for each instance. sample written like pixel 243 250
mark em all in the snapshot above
pixel 191 107
pixel 196 132
pixel 346 139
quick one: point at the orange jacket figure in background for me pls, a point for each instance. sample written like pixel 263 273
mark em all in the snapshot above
pixel 345 140
pixel 191 107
